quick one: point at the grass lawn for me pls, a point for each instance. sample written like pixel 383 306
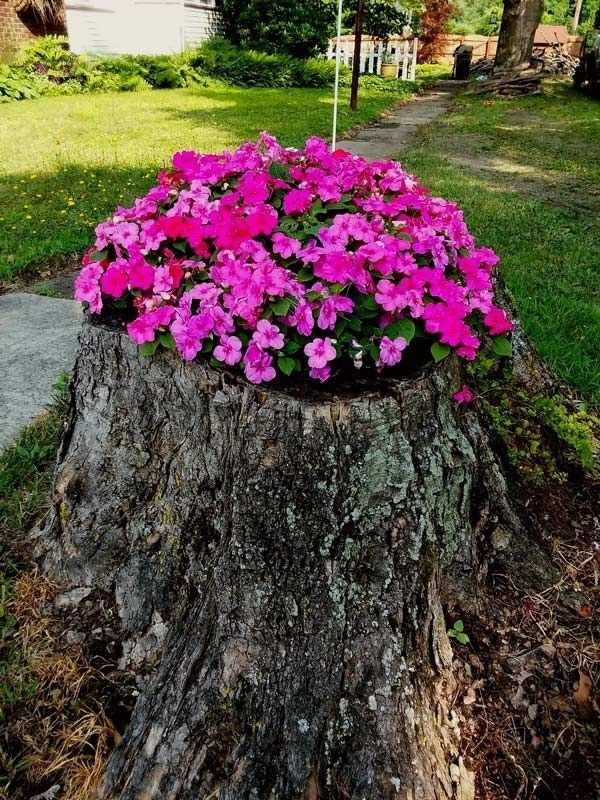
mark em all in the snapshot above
pixel 66 162
pixel 527 174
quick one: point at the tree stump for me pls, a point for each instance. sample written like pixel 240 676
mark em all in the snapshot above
pixel 289 554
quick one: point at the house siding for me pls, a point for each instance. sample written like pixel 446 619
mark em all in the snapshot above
pixel 139 26
pixel 201 21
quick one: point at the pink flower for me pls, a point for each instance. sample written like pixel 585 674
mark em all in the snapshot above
pixel 330 308
pixel 211 248
pixel 268 335
pixel 465 395
pixel 143 329
pixel 320 373
pixel 229 350
pixel 258 365
pixel 497 322
pixel 285 246
pixel 114 282
pixel 319 352
pixel 189 334
pixel 303 318
pixel 262 220
pixel 297 201
pixel 390 350
pixel 389 296
pixel 87 287
pixel 141 275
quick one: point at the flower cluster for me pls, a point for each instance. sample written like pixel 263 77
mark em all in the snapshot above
pixel 277 260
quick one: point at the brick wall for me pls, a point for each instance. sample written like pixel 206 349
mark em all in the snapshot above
pixel 15 29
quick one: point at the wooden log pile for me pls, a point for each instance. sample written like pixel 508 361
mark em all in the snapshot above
pixel 511 85
pixel 557 61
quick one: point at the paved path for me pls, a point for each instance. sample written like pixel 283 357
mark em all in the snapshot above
pixel 391 134
pixel 38 341
pixel 38 335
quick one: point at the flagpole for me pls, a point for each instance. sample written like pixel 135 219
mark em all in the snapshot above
pixel 337 74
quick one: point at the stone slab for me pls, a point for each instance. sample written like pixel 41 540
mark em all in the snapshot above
pixel 38 341
pixel 388 137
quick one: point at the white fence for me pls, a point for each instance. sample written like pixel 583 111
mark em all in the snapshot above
pixel 400 52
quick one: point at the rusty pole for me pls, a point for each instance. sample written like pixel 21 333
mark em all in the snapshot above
pixel 358 28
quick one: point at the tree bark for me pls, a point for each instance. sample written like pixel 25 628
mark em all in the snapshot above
pixel 289 556
pixel 520 19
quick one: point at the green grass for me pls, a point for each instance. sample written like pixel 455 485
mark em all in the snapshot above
pixel 527 174
pixel 66 162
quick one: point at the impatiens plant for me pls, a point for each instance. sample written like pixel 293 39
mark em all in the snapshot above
pixel 283 261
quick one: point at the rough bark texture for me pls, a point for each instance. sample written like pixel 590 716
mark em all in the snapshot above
pixel 289 557
pixel 520 20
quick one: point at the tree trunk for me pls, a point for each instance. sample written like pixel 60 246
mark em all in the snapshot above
pixel 289 555
pixel 520 20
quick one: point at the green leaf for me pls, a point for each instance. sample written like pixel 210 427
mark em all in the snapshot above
pixel 368 301
pixel 166 340
pixel 149 348
pixel 501 346
pixel 99 255
pixel 305 275
pixel 180 245
pixel 459 625
pixel 462 638
pixel 287 365
pixel 292 347
pixel 281 307
pixel 280 171
pixel 439 351
pixel 401 327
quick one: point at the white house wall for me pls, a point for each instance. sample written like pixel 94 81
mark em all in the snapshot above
pixel 201 21
pixel 146 27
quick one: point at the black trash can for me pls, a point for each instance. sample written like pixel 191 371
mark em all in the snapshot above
pixel 462 62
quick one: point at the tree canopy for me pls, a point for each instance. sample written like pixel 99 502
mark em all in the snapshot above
pixel 280 26
pixel 484 16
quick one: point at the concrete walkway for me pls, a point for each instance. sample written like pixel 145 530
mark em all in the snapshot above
pixel 38 335
pixel 391 134
pixel 38 341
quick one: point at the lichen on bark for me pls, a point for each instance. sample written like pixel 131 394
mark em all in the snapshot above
pixel 288 556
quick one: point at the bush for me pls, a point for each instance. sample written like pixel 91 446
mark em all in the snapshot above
pixel 289 27
pixel 294 263
pixel 239 66
pixel 15 84
pixel 49 56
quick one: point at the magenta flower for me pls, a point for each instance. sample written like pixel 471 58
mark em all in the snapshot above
pixel 87 287
pixel 268 335
pixel 114 282
pixel 390 350
pixel 497 322
pixel 320 373
pixel 465 395
pixel 258 365
pixel 211 255
pixel 229 350
pixel 297 201
pixel 319 352
pixel 285 246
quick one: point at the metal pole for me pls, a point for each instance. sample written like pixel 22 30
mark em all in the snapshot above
pixel 338 49
pixel 358 28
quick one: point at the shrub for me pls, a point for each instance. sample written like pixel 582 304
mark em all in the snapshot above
pixel 15 84
pixel 280 26
pixel 49 56
pixel 285 262
pixel 239 66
